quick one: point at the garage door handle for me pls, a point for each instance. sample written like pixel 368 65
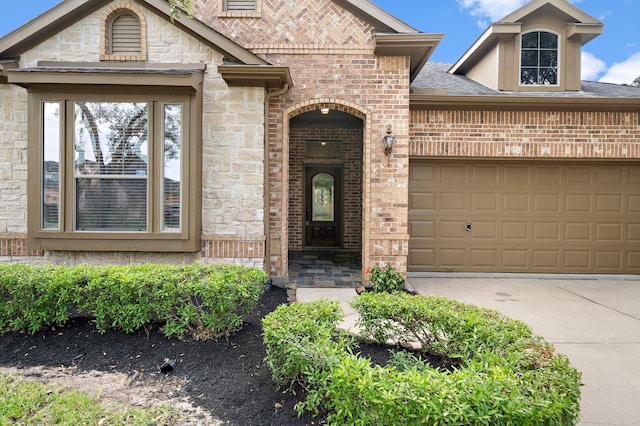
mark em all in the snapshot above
pixel 468 227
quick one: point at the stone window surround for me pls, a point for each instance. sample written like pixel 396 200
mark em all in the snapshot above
pixel 110 14
pixel 188 240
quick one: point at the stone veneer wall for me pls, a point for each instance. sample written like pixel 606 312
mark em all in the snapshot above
pixel 233 150
pixel 526 134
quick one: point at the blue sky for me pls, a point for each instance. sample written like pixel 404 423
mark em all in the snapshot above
pixel 612 57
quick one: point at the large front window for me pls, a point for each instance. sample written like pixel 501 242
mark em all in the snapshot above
pixel 539 59
pixel 114 170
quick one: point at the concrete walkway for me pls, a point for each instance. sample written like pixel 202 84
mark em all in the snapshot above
pixel 595 322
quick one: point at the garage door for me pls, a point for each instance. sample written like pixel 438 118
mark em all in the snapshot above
pixel 481 216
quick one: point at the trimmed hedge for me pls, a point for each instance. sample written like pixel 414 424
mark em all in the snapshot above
pixel 205 301
pixel 499 372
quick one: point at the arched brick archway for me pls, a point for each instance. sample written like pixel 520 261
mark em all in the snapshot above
pixel 346 135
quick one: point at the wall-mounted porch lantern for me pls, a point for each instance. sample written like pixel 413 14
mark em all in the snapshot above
pixel 324 110
pixel 388 140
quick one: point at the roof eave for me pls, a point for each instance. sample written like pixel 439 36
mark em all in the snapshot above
pixel 483 44
pixel 522 103
pixel 69 11
pixel 374 15
pixel 419 47
pixel 267 76
pixel 33 32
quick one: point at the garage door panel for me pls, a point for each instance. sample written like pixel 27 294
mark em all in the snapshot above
pixel 451 230
pixel 577 260
pixel 608 203
pixel 514 231
pixel 609 176
pixel 577 232
pixel 483 258
pixel 453 173
pixel 516 175
pixel 487 202
pixel 424 258
pixel 484 230
pixel 423 173
pixel 422 201
pixel 422 229
pixel 577 203
pixel 609 232
pixel 452 258
pixel 515 203
pixel 546 203
pixel 453 202
pixel 546 259
pixel 485 175
pixel 548 175
pixel 561 217
pixel 546 231
pixel 608 260
pixel 633 262
pixel 515 259
pixel 580 175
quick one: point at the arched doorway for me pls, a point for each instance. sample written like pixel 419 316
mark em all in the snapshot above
pixel 325 197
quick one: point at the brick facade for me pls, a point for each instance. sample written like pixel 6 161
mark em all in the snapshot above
pixel 525 134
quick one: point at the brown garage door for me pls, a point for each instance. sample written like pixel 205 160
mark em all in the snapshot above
pixel 482 216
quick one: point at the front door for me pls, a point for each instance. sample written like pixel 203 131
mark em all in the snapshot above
pixel 323 204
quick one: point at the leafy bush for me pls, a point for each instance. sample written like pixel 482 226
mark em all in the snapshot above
pixel 206 301
pixel 299 338
pixel 501 373
pixel 386 280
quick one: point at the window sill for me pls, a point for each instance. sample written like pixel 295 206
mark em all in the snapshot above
pixel 122 242
pixel 239 14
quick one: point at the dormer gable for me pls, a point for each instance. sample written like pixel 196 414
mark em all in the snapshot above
pixel 537 48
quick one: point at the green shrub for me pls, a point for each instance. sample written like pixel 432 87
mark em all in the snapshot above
pixel 206 301
pixel 501 373
pixel 386 280
pixel 299 339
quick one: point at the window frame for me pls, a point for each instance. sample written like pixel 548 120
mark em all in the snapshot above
pixel 538 49
pixel 155 239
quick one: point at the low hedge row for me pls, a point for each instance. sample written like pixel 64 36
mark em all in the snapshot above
pixel 499 372
pixel 205 301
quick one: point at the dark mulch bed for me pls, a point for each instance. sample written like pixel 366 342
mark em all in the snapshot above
pixel 227 378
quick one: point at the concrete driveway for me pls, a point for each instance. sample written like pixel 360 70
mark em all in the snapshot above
pixel 595 322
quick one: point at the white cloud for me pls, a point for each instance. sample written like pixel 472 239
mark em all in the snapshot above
pixel 623 72
pixel 492 9
pixel 592 67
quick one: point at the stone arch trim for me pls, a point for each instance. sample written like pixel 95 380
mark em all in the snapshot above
pixel 109 15
pixel 336 104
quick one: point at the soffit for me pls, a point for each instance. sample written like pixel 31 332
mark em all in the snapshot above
pixel 418 47
pixel 267 76
pixel 101 74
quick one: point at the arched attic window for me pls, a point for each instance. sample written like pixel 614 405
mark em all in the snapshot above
pixel 124 36
pixel 539 58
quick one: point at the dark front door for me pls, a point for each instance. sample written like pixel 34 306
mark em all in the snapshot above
pixel 323 204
